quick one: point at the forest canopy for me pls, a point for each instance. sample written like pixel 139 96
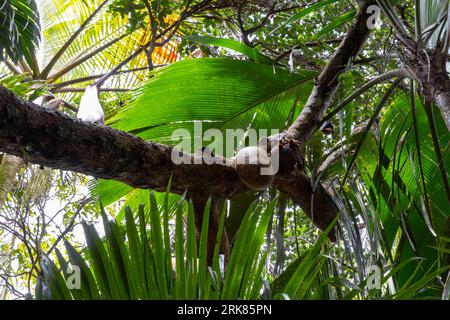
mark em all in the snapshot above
pixel 222 149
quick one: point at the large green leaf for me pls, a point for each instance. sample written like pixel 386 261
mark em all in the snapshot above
pixel 221 93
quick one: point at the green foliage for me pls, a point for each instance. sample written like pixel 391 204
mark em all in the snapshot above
pixel 146 258
pixel 237 46
pixel 394 201
pixel 137 13
pixel 19 29
pixel 405 206
pixel 133 9
pixel 297 282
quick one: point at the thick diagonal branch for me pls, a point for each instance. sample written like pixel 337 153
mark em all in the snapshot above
pixel 326 84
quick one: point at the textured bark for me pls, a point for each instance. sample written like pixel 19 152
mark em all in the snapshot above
pixel 53 139
pixel 326 84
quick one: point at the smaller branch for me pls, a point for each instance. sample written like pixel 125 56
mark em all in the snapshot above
pixel 153 28
pixel 287 9
pixel 34 65
pixel 308 44
pixel 66 45
pixel 240 22
pixel 320 43
pixel 263 21
pixel 86 79
pixel 10 286
pixel 24 66
pixel 12 68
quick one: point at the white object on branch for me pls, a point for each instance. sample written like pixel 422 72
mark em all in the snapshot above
pixel 90 109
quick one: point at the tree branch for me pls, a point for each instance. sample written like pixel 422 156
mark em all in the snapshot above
pixel 317 204
pixel 396 73
pixel 66 68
